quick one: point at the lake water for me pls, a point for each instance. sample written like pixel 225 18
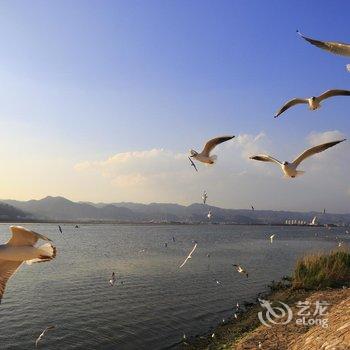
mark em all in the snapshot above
pixel 158 302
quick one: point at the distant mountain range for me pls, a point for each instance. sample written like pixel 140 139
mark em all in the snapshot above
pixel 62 209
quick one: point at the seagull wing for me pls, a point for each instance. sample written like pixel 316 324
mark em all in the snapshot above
pixel 335 47
pixel 331 93
pixel 192 163
pixel 23 237
pixel 314 150
pixel 7 269
pixel 290 104
pixel 266 158
pixel 189 255
pixel 211 144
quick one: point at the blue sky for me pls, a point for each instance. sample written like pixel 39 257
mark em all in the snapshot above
pixel 83 81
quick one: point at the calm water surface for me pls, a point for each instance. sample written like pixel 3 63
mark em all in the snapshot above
pixel 157 302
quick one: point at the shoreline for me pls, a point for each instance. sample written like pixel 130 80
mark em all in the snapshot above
pixel 112 222
pixel 245 331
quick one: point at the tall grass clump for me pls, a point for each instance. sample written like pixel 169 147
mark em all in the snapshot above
pixel 322 270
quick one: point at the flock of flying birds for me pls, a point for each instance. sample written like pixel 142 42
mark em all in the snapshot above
pixel 21 247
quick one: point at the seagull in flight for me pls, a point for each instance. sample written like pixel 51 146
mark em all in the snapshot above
pixel 334 47
pixel 241 270
pixel 290 169
pixel 204 197
pixel 189 256
pixel 314 102
pixel 192 164
pixel 272 237
pixel 49 328
pixel 112 280
pixel 21 248
pixel 253 208
pixel 60 228
pixel 205 156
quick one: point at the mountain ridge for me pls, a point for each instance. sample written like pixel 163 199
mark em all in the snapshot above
pixel 61 208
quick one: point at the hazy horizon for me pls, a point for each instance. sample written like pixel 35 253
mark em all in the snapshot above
pixel 173 203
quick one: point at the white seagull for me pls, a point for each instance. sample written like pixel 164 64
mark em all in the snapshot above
pixel 204 197
pixel 189 256
pixel 21 248
pixel 290 169
pixel 314 102
pixel 241 270
pixel 334 47
pixel 272 237
pixel 205 156
pixel 209 215
pixel 49 328
pixel 112 280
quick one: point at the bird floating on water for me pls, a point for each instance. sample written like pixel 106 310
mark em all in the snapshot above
pixel 49 328
pixel 241 270
pixel 290 169
pixel 205 156
pixel 314 102
pixel 204 197
pixel 21 248
pixel 189 256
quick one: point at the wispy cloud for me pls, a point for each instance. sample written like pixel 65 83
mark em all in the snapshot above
pixel 235 181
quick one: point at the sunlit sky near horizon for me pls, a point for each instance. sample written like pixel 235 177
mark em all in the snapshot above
pixel 101 101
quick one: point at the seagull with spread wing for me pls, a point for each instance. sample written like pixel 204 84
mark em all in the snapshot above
pixel 189 256
pixel 204 197
pixel 314 102
pixel 21 248
pixel 49 328
pixel 290 169
pixel 192 164
pixel 112 280
pixel 334 47
pixel 241 270
pixel 205 156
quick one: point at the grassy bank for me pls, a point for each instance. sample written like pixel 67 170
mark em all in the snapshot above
pixel 319 271
pixel 312 272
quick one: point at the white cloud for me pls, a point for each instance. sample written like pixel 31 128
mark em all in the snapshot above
pixel 159 175
pixel 316 138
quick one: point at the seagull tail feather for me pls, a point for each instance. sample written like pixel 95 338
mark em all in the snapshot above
pixel 47 252
pixel 300 172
